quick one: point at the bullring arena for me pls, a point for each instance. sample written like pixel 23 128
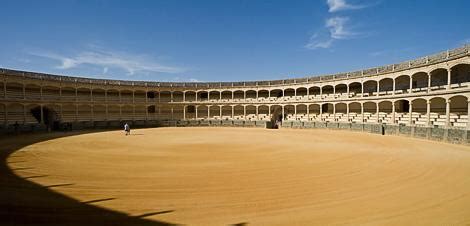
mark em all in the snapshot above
pixel 381 146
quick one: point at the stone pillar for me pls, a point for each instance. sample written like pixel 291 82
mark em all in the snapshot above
pixel 449 72
pixel 308 93
pixel 295 112
pixel 233 111
pixel 220 111
pixel 244 95
pixel 321 111
pixel 429 82
pixel 428 113
pixel 378 88
pixel 410 119
pixel 282 112
pixel 184 111
pixel 233 96
pixel 133 96
pixel 184 96
pixel 468 114
pixel 159 96
pixel 308 112
pixel 447 113
pixel 208 110
pixel 362 89
pixel 411 84
pixel 362 112
pixel 347 89
pixel 195 112
pixel 257 113
pixel 172 115
pixel 393 84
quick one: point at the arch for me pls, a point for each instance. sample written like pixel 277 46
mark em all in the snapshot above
pixel 33 92
pixel 327 90
pixel 112 95
pixel 370 107
pixel 84 112
pixel 250 94
pixel 341 89
pixel 301 91
pixel 385 107
pixel 214 95
pixel 165 96
pixel 370 87
pixel 420 81
pixel 385 86
pixel 458 115
pixel 438 78
pixel 275 93
pixel 226 95
pixel 227 111
pixel 113 112
pixel 301 112
pixel 84 94
pixel 98 94
pixel 16 113
pixel 263 94
pixel 99 112
pixel 314 111
pixel 250 113
pixel 14 90
pixel 314 91
pixel 460 74
pixel 178 96
pixel 289 93
pixel 140 96
pixel 355 88
pixel 438 105
pixel 419 106
pixel 190 96
pixel 238 112
pixel 263 113
pixel 289 112
pixel 50 93
pixel 177 112
pixel 214 112
pixel 402 84
pixel 238 95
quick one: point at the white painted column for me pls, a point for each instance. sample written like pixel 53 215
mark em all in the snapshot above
pixel 233 95
pixel 184 112
pixel 171 96
pixel 378 88
pixel 428 113
pixel 282 112
pixel 447 113
pixel 362 89
pixel 295 112
pixel 347 89
pixel 184 96
pixel 411 84
pixel 220 111
pixel 321 111
pixel 196 110
pixel 233 113
pixel 257 113
pixel 393 83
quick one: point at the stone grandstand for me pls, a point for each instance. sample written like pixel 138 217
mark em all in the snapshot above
pixel 427 97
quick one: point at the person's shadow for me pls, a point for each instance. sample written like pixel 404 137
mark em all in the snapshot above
pixel 23 202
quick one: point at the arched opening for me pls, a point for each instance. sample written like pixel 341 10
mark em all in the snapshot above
pixel 214 112
pixel 227 112
pixel 458 111
pixel 355 112
pixel 438 111
pixel 14 90
pixel 301 112
pixel 238 112
pixel 177 96
pixel 250 113
pixel 250 95
pixel 112 95
pixel 327 90
pixel 385 110
pixel 301 93
pixel 341 112
pixel 263 94
pixel 33 92
pixel 355 89
pixel 460 75
pixel 420 82
pixel 438 79
pixel 419 108
pixel 289 112
pixel 314 112
pixel 327 112
pixel 402 84
pixel 226 96
pixel 50 93
pixel 190 96
pixel 84 94
pixel 140 96
pixel 370 112
pixel 386 86
pixel 202 96
pixel 263 113
pixel 191 111
pixel 238 95
pixel 341 90
pixel 214 95
pixel 275 93
pixel 289 93
pixel 314 91
pixel 98 95
pixel 126 96
pixel 178 113
pixel 370 88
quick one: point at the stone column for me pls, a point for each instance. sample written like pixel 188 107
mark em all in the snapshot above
pixel 257 113
pixel 133 96
pixel 378 88
pixel 429 82
pixel 347 89
pixel 393 83
pixel 447 113
pixel 449 72
pixel 410 120
pixel 308 112
pixel 468 114
pixel 308 93
pixel 220 111
pixel 411 83
pixel 184 96
pixel 184 111
pixel 282 112
pixel 321 111
pixel 233 95
pixel 295 112
pixel 208 110
pixel 362 89
pixel 428 113
pixel 233 113
pixel 195 112
pixel 244 95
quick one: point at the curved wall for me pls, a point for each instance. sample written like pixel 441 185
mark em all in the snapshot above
pixel 429 92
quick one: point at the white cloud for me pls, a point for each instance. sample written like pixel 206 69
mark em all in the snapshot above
pixel 336 29
pixel 109 60
pixel 340 5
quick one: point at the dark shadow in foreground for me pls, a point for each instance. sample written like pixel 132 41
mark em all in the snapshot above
pixel 23 202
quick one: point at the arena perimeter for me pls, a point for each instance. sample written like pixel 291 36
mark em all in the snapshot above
pixel 234 176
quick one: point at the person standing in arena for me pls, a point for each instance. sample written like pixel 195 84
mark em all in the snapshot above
pixel 127 129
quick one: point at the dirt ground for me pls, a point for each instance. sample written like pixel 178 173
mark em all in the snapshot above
pixel 226 176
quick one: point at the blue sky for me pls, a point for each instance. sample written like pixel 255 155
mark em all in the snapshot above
pixel 224 40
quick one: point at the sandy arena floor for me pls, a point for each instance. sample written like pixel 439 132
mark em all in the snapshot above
pixel 224 176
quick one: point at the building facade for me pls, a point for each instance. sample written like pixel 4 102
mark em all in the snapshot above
pixel 429 92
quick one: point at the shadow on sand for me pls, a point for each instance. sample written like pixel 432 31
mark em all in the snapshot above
pixel 23 202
